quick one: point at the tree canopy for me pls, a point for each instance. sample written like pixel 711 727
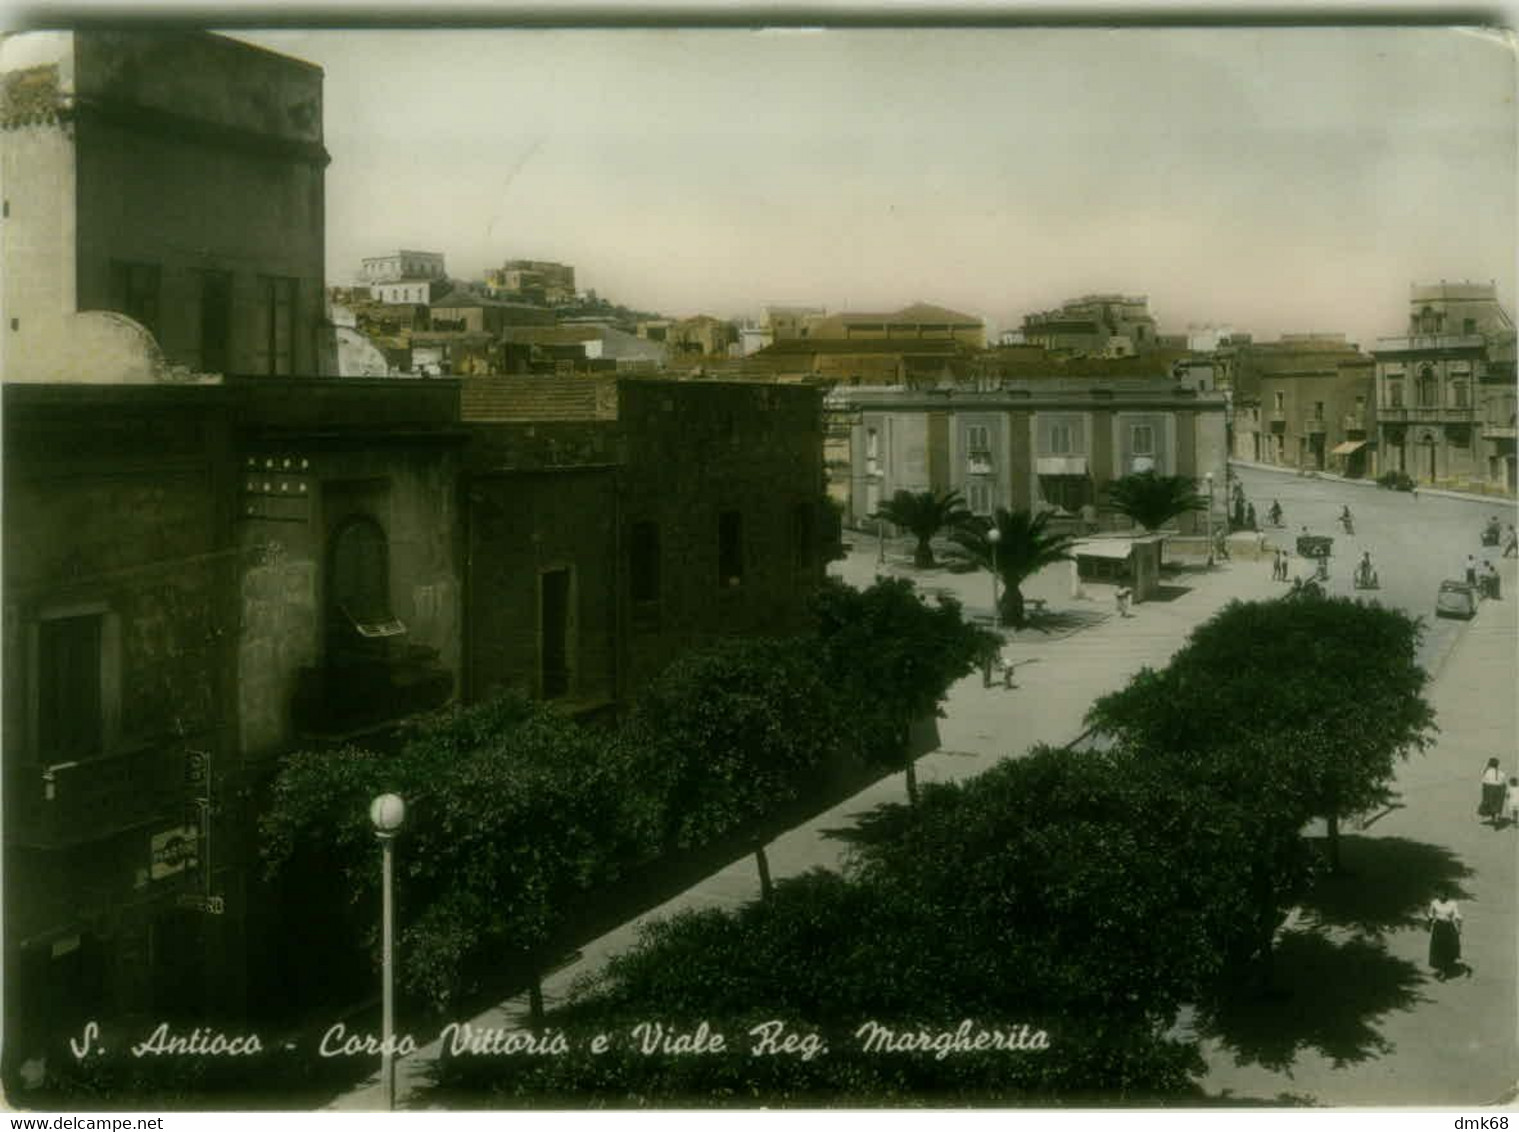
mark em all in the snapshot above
pixel 1323 695
pixel 1153 500
pixel 1024 547
pixel 925 514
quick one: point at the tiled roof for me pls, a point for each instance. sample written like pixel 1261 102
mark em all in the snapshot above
pixel 538 398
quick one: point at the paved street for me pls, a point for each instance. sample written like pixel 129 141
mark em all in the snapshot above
pixel 1407 1040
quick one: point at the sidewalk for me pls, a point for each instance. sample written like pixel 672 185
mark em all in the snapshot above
pixel 1055 682
pixel 1412 1040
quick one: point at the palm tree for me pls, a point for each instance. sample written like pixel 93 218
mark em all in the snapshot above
pixel 925 515
pixel 1024 548
pixel 1152 500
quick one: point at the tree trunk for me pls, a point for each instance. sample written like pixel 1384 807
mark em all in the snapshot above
pixel 912 782
pixel 923 554
pixel 1332 827
pixel 1012 606
pixel 764 870
pixel 535 1000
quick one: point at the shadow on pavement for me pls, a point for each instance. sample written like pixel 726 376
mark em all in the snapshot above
pixel 1168 593
pixel 1060 622
pixel 1385 883
pixel 1326 998
pixel 877 825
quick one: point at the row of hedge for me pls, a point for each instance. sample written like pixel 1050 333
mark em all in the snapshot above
pixel 517 814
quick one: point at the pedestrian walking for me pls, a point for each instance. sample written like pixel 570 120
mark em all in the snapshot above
pixel 1491 805
pixel 1471 570
pixel 1444 935
pixel 1511 544
pixel 1511 800
pixel 1491 583
pixel 1122 597
pixel 1250 516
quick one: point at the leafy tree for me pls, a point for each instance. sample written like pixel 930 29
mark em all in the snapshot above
pixel 891 658
pixel 1024 548
pixel 925 514
pixel 730 733
pixel 1318 696
pixel 512 812
pixel 1153 500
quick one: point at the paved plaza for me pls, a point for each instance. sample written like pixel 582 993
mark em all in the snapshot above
pixel 1365 1023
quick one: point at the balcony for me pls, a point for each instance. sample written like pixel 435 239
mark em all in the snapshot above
pixel 1313 425
pixel 1427 414
pixel 74 803
pixel 979 464
pixel 1353 422
pixel 1499 431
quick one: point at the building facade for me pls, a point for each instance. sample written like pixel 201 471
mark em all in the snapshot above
pixel 1445 390
pixel 1053 444
pixel 402 264
pixel 164 193
pixel 1104 325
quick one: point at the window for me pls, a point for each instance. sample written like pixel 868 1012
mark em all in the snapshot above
pixel 643 563
pixel 1060 440
pixel 277 341
pixel 1469 326
pixel 1395 393
pixel 215 320
pixel 1277 400
pixel 134 292
pixel 1429 388
pixel 1458 394
pixel 554 628
pixel 1318 410
pixel 801 536
pixel 1142 441
pixel 872 444
pixel 358 587
pixel 730 549
pixel 978 495
pixel 69 701
pixel 977 438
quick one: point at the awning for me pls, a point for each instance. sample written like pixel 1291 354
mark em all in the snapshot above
pixel 1347 448
pixel 1061 466
pixel 1102 548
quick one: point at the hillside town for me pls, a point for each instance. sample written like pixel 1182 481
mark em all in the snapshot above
pixel 597 620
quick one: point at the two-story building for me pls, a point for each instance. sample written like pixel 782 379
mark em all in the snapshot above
pixel 1046 444
pixel 1445 390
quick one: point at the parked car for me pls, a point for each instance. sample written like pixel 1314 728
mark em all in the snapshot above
pixel 1314 546
pixel 1456 599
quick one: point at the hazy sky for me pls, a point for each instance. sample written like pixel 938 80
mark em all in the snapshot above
pixel 1274 179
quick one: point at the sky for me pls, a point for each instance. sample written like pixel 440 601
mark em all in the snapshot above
pixel 1271 179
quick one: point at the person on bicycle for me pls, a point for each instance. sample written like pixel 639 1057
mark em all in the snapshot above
pixel 1276 513
pixel 1345 517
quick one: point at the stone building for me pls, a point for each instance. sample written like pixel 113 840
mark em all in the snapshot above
pixel 534 281
pixel 172 180
pixel 1306 402
pixel 1054 443
pixel 396 266
pixel 198 578
pixel 1102 325
pixel 919 321
pixel 1445 390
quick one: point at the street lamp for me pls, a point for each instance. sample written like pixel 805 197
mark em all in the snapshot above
pixel 387 812
pixel 880 542
pixel 994 536
pixel 1209 478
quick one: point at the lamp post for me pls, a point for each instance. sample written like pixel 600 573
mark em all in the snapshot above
pixel 880 542
pixel 994 536
pixel 387 812
pixel 1209 478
